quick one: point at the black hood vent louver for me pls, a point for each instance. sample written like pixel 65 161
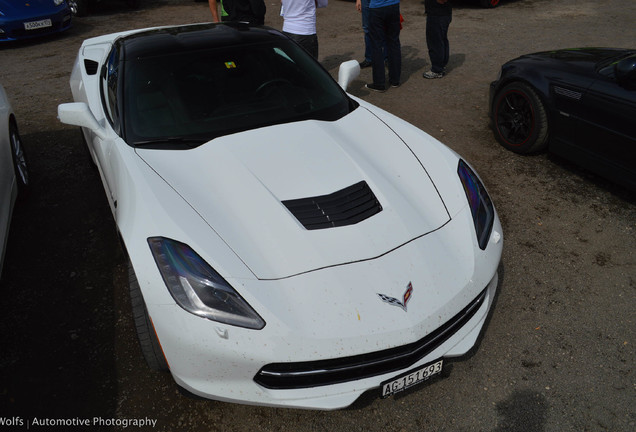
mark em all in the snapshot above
pixel 344 207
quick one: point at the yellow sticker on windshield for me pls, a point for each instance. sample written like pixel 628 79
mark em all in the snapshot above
pixel 230 65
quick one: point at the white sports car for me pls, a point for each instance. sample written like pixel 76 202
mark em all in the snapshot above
pixel 14 174
pixel 289 244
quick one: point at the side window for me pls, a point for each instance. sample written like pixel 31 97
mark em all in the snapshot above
pixel 109 88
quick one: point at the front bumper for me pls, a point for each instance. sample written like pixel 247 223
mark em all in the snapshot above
pixel 226 363
pixel 287 376
pixel 231 379
pixel 12 30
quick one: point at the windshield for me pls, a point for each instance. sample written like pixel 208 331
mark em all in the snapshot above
pixel 188 98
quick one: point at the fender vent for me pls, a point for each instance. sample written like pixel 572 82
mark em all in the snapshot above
pixel 568 93
pixel 344 207
pixel 90 66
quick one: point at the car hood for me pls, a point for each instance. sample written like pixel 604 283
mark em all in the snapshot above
pixel 579 58
pixel 238 183
pixel 18 9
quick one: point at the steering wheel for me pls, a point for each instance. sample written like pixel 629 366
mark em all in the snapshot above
pixel 273 81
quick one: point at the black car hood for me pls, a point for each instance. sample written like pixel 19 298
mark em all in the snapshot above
pixel 581 58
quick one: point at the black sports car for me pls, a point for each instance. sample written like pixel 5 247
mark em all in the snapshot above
pixel 579 103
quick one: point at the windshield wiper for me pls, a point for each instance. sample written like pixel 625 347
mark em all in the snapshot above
pixel 173 143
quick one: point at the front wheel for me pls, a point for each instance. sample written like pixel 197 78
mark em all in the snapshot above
pixel 19 157
pixel 148 341
pixel 519 119
pixel 79 7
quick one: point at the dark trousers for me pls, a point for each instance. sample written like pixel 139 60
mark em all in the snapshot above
pixel 437 41
pixel 368 44
pixel 309 42
pixel 384 26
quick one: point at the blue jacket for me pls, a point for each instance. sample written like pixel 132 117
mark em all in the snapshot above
pixel 373 4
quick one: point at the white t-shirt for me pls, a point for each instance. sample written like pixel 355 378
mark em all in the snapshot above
pixel 299 17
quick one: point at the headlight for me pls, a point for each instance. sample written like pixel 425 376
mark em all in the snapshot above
pixel 480 204
pixel 58 2
pixel 198 288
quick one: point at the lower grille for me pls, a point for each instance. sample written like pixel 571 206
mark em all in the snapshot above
pixel 332 371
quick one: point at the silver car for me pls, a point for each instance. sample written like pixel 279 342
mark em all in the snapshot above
pixel 14 174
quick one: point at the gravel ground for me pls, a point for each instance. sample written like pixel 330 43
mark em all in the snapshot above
pixel 558 353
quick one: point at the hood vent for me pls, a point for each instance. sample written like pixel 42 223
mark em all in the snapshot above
pixel 344 207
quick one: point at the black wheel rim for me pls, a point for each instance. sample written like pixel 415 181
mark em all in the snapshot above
pixel 20 159
pixel 72 4
pixel 515 118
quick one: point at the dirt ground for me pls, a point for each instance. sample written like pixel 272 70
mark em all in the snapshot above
pixel 560 349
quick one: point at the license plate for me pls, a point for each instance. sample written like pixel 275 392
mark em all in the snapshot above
pixel 32 25
pixel 410 379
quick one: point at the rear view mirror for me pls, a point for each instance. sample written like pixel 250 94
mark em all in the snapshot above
pixel 626 72
pixel 78 114
pixel 348 71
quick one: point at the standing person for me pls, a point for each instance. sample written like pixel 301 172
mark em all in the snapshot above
pixel 299 23
pixel 215 12
pixel 251 11
pixel 384 29
pixel 362 6
pixel 439 15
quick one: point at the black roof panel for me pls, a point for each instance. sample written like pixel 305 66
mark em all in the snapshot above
pixel 167 40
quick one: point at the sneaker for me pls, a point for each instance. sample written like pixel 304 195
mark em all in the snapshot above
pixel 432 75
pixel 375 87
pixel 365 64
pixel 395 84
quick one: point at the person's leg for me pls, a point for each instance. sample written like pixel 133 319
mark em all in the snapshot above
pixel 445 24
pixel 435 43
pixel 313 45
pixel 308 42
pixel 393 47
pixel 376 31
pixel 368 43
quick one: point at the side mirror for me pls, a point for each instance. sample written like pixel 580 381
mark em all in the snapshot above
pixel 348 71
pixel 78 114
pixel 625 71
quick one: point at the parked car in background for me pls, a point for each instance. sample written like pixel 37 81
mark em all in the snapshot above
pixel 289 244
pixel 83 7
pixel 14 173
pixel 33 18
pixel 577 103
pixel 489 3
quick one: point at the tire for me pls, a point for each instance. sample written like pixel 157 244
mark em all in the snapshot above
pixel 19 158
pixel 489 3
pixel 81 7
pixel 519 119
pixel 148 341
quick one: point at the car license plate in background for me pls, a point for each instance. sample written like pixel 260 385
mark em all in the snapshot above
pixel 410 379
pixel 37 24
